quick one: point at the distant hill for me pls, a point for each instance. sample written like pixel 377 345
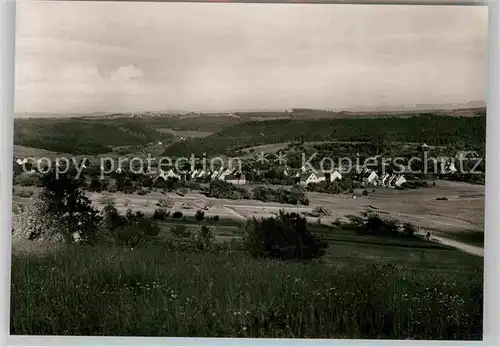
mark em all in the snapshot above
pixel 417 107
pixel 257 113
pixel 430 128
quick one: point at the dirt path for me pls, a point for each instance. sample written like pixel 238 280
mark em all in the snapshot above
pixel 234 213
pixel 478 251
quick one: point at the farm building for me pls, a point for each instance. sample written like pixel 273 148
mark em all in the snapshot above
pixel 235 179
pixel 311 177
pixel 370 177
pixel 335 175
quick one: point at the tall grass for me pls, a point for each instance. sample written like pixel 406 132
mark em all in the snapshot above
pixel 156 292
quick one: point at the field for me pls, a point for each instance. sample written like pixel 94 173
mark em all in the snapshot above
pixel 362 288
pixel 462 212
pixel 460 218
pixel 185 133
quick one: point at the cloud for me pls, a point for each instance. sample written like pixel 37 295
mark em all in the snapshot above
pixel 126 73
pixel 100 56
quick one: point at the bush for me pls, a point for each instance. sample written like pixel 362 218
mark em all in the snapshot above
pixel 105 200
pixel 160 214
pixel 320 211
pixel 165 203
pixel 294 196
pixel 205 239
pixel 285 237
pixel 365 192
pixel 177 215
pixel 111 219
pixel 216 218
pixel 63 200
pixel 223 190
pixel 374 225
pixel 199 216
pixel 180 230
pixel 409 229
pixel 25 193
pixel 28 179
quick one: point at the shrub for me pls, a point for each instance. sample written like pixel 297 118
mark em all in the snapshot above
pixel 199 216
pixel 365 192
pixel 63 199
pixel 165 203
pixel 160 214
pixel 180 230
pixel 105 200
pixel 295 195
pixel 374 225
pixel 285 237
pixel 177 215
pixel 224 190
pixel 409 229
pixel 111 219
pixel 205 239
pixel 337 222
pixel 320 211
pixel 355 222
pixel 130 236
pixel 216 218
pixel 142 192
pixel 28 179
pixel 25 193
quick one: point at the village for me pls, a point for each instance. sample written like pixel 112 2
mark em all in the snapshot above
pixel 249 173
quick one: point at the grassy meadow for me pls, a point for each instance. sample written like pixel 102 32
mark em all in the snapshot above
pixel 363 288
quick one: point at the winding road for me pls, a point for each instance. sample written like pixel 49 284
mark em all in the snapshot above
pixel 478 251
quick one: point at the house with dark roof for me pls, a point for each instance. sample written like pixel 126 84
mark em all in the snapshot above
pixel 235 179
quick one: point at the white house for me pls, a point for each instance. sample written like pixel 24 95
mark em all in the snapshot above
pixel 200 174
pixel 310 177
pixel 321 176
pixel 384 179
pixel 370 177
pixel 224 173
pixel 304 169
pixel 335 175
pixel 194 173
pixel 235 179
pixel 215 174
pixel 448 167
pixel 399 181
pixel 166 175
pixel 21 162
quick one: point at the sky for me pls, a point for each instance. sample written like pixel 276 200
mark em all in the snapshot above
pixel 84 57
